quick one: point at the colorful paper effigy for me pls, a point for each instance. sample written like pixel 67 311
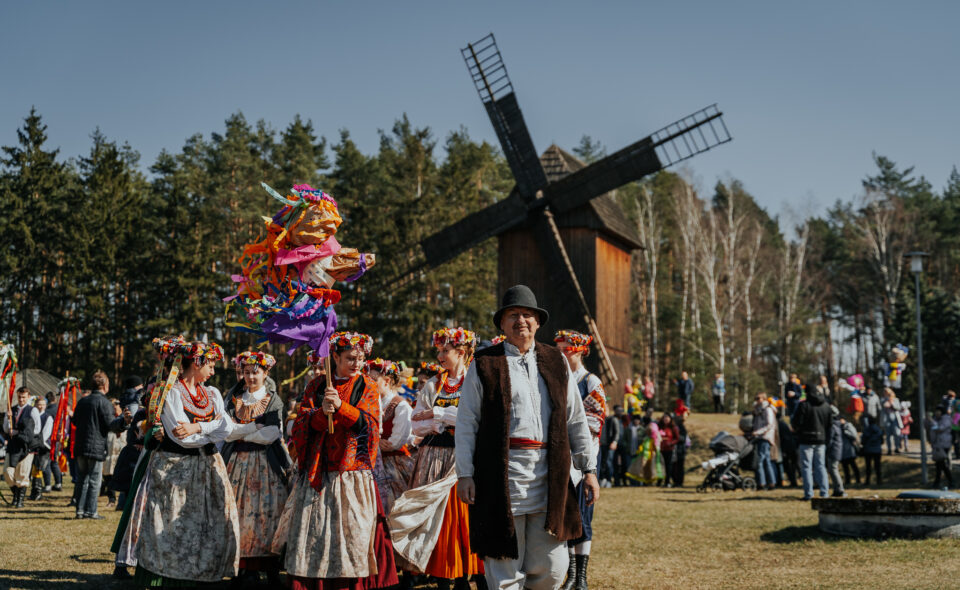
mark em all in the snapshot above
pixel 284 289
pixel 8 370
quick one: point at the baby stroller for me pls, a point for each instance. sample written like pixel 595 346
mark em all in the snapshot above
pixel 723 471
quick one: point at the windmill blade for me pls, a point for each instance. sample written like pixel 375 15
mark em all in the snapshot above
pixel 490 78
pixel 561 273
pixel 674 143
pixel 473 229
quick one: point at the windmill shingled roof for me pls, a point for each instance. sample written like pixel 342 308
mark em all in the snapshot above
pixel 602 213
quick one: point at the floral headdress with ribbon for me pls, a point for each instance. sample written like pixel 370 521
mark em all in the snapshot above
pixel 203 352
pixel 429 369
pixel 251 357
pixel 342 341
pixel 454 337
pixel 169 346
pixel 498 340
pixel 577 342
pixel 384 367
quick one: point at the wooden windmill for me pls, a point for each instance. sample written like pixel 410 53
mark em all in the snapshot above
pixel 559 232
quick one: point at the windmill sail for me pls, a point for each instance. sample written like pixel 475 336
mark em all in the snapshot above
pixel 674 143
pixel 496 92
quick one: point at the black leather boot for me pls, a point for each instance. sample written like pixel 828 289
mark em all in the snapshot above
pixel 36 493
pixel 21 495
pixel 582 561
pixel 443 584
pixel 571 574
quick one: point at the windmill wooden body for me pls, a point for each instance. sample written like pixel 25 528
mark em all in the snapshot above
pixel 559 231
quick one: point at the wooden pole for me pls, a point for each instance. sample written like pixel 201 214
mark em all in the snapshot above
pixel 326 367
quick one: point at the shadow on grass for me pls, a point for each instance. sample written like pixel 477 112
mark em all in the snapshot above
pixel 50 579
pixel 93 558
pixel 798 534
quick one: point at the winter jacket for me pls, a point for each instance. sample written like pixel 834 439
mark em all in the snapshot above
pixel 792 392
pixel 872 405
pixel 684 388
pixel 891 416
pixel 788 441
pixel 872 440
pixel 941 439
pixel 92 418
pixel 129 397
pixel 611 432
pixel 851 442
pixel 811 422
pixel 669 437
pixel 835 441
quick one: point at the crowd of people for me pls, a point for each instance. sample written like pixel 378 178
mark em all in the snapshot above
pixel 378 475
pixel 800 436
pixel 375 476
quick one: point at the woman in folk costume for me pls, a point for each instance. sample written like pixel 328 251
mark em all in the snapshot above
pixel 434 418
pixel 394 465
pixel 257 464
pixel 574 347
pixel 647 465
pixel 333 524
pixel 189 531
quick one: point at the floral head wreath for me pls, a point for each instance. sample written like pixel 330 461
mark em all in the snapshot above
pixel 342 341
pixel 384 367
pixel 498 339
pixel 454 337
pixel 169 346
pixel 203 352
pixel 578 342
pixel 251 357
pixel 431 369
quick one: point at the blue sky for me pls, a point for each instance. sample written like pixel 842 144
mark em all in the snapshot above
pixel 809 89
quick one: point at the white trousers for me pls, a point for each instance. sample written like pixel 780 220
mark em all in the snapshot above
pixel 19 474
pixel 543 559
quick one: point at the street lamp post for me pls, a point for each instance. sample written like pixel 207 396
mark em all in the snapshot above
pixel 916 267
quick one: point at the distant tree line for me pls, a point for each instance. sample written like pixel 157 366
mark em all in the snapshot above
pixel 101 254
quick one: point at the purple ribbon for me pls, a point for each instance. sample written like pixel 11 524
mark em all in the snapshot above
pixel 363 268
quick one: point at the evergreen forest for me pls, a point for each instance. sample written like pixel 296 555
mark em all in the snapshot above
pixel 102 253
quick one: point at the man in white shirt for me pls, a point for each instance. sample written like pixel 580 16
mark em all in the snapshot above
pixel 514 453
pixel 23 427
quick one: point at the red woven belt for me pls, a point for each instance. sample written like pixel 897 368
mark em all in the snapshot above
pixel 526 443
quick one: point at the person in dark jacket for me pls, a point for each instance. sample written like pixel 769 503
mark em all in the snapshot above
pixel 609 440
pixel 685 389
pixel 92 418
pixel 626 448
pixel 22 427
pixel 835 452
pixel 811 423
pixel 132 389
pixel 793 392
pixel 127 425
pixel 680 452
pixel 872 440
pixel 669 438
pixel 851 448
pixel 788 450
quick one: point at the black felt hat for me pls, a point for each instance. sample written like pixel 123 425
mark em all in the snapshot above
pixel 519 296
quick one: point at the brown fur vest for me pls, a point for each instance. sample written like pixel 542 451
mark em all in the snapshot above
pixel 492 532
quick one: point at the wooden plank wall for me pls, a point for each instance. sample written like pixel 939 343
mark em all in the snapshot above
pixel 603 270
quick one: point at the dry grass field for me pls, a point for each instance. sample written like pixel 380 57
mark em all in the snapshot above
pixel 644 538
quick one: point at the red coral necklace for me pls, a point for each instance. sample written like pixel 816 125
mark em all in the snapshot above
pixel 200 399
pixel 447 388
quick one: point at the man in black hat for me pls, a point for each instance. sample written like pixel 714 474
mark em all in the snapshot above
pixel 514 451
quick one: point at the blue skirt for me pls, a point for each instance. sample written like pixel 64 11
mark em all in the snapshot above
pixel 586 515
